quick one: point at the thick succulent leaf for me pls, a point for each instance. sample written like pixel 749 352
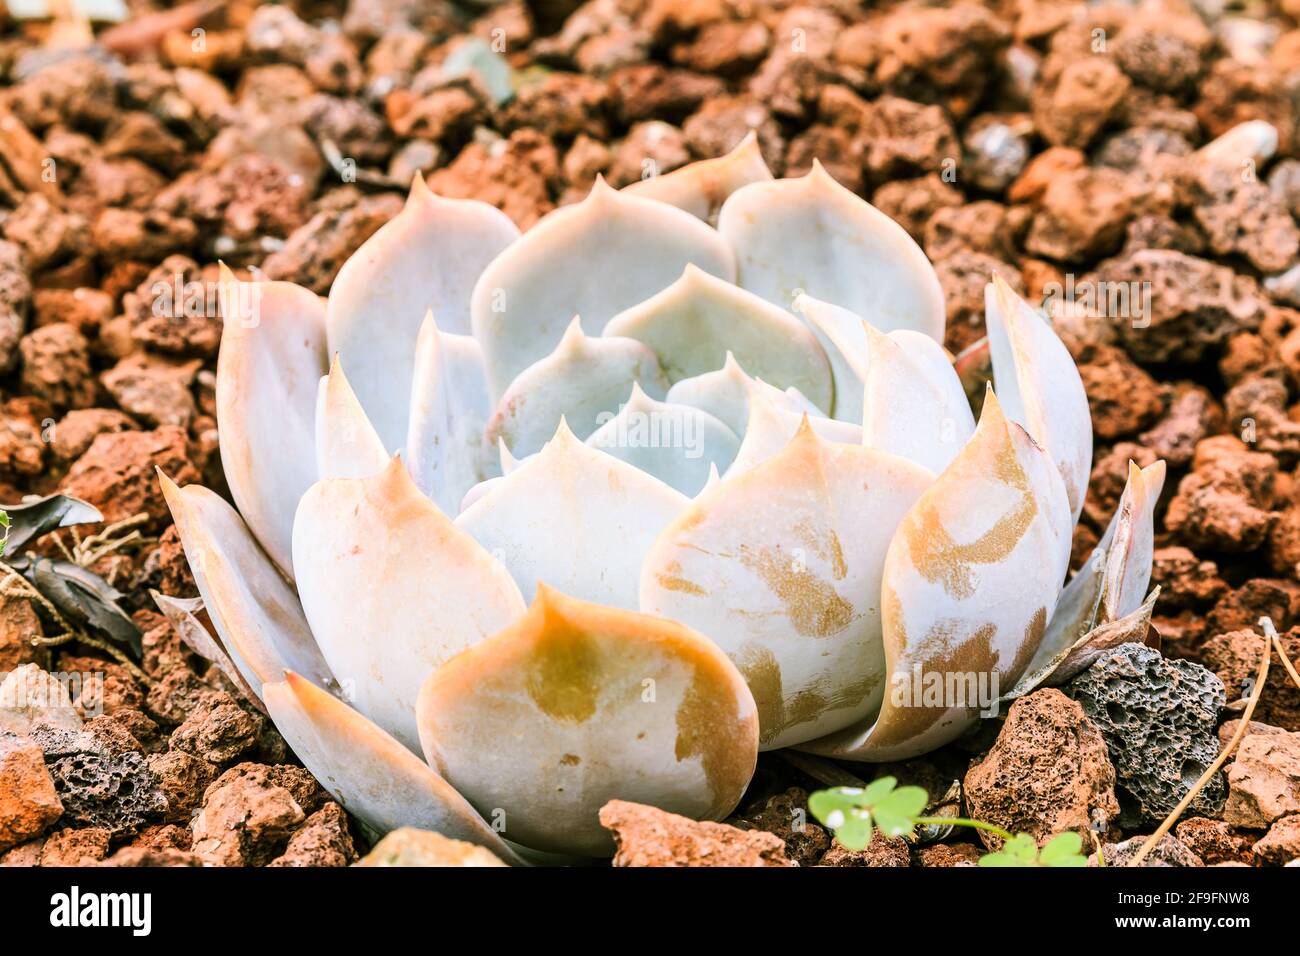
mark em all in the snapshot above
pixel 392 588
pixel 677 444
pixel 183 615
pixel 346 443
pixel 914 404
pixel 724 394
pixel 1129 543
pixel 812 235
pixel 268 373
pixel 842 336
pixel 770 428
pixel 575 518
pixel 696 321
pixel 447 451
pixel 255 612
pixel 1039 385
pixel 594 259
pixel 428 257
pixel 701 188
pixel 970 579
pixel 585 378
pixel 478 491
pixel 32 520
pixel 369 772
pixel 577 704
pixel 781 567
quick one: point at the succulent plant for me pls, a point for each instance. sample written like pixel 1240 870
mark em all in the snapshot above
pixel 664 499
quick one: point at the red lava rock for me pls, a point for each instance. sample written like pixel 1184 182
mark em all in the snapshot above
pixel 1263 780
pixel 84 847
pixel 146 856
pixel 1122 397
pixel 650 149
pixel 982 226
pixel 949 854
pixel 1281 844
pixel 903 136
pixel 323 840
pixel 247 198
pixel 517 175
pixel 560 107
pixel 721 122
pixel 1244 606
pixel 1213 841
pixel 46 234
pixel 1194 304
pixel 23 440
pixel 652 91
pixel 1192 415
pixel 154 390
pixel 174 309
pixel 316 250
pixel 1226 502
pixel 19 625
pixel 102 686
pixel 56 366
pixel 28 800
pixel 786 815
pixel 130 234
pixel 84 309
pixel 646 836
pixel 116 474
pixel 218 730
pixel 1082 216
pixel 1047 773
pixel 1232 93
pixel 1257 406
pixel 249 813
pixel 162 836
pixel 75 431
pixel 963 276
pixel 727 48
pixel 445 115
pixel 1234 656
pixel 881 851
pixel 913 202
pixel 1241 216
pixel 1042 171
pixel 1184 579
pixel 1077 98
pixel 183 779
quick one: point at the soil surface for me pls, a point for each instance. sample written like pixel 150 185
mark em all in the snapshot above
pixel 1057 143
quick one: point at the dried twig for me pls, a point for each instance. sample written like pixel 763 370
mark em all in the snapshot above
pixel 1286 661
pixel 1270 635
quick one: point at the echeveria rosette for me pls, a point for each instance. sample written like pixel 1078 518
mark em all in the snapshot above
pixel 450 543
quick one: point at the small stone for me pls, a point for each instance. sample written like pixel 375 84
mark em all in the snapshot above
pixel 316 250
pixel 1082 217
pixel 1192 415
pixel 1168 852
pixel 217 730
pixel 19 626
pixel 881 851
pixel 83 847
pixel 98 786
pixel 1225 504
pixel 408 846
pixel 1123 398
pixel 56 366
pixel 786 815
pixel 949 855
pixel 146 856
pixel 1075 100
pixel 1263 780
pixel 517 175
pixel 183 779
pixel 323 840
pixel 1158 719
pixel 1184 579
pixel 1281 845
pixel 28 800
pixel 1047 773
pixel 29 697
pixel 117 473
pixel 1213 841
pixel 154 390
pixel 1234 656
pixel 646 836
pixel 75 431
pixel 245 820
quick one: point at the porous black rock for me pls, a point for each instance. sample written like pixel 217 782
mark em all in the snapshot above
pixel 98 785
pixel 1158 718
